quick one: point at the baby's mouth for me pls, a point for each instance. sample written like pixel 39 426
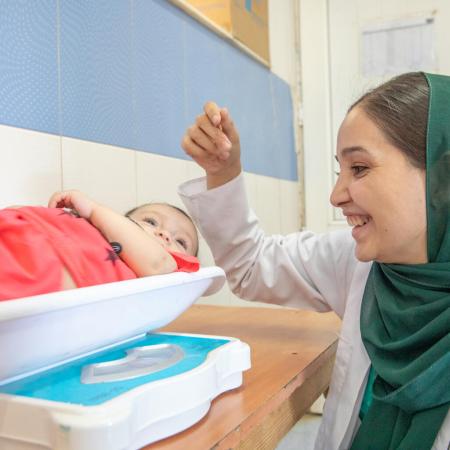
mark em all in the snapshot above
pixel 358 221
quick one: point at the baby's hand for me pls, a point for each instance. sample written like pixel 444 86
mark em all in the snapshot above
pixel 75 200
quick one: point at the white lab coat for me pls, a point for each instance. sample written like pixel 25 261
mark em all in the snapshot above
pixel 301 270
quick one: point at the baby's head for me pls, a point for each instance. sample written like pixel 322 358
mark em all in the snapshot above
pixel 169 224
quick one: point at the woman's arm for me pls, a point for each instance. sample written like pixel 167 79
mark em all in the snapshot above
pixel 141 252
pixel 300 270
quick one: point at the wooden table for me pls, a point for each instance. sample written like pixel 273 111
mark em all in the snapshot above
pixel 292 358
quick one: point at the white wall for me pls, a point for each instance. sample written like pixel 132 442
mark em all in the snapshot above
pixel 331 78
pixel 281 39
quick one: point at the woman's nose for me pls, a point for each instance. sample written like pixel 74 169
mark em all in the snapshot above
pixel 339 195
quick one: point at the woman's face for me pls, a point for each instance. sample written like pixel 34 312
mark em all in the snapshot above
pixel 381 194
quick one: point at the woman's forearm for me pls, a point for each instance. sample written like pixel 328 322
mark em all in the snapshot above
pixel 214 180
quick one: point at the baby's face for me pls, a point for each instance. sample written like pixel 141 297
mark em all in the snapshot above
pixel 170 227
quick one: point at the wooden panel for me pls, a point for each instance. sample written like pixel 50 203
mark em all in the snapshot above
pixel 292 357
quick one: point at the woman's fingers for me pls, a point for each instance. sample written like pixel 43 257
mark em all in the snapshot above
pixel 201 139
pixel 209 138
pixel 228 126
pixel 205 159
pixel 214 133
pixel 192 149
pixel 195 151
pixel 212 111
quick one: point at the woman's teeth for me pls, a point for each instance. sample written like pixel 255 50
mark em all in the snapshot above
pixel 357 221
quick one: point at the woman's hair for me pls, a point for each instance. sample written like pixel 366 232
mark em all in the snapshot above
pixel 399 108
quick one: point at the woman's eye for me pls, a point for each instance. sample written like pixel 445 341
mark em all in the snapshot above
pixel 182 242
pixel 358 170
pixel 151 221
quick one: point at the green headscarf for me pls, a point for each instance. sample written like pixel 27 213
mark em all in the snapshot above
pixel 405 314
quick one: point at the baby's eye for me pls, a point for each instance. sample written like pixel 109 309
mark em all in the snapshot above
pixel 182 243
pixel 151 221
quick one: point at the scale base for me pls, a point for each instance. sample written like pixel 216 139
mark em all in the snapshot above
pixel 132 419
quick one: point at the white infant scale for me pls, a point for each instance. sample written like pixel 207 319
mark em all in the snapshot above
pixel 82 370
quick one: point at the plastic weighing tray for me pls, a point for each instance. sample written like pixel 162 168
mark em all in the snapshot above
pixel 82 370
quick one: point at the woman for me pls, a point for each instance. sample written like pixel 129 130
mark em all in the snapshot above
pixel 389 278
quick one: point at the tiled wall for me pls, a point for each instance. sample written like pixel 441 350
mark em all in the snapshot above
pixel 96 94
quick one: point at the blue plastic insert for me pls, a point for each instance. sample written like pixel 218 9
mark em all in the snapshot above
pixel 63 383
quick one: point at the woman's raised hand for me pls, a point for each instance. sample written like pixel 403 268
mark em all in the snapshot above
pixel 75 200
pixel 213 143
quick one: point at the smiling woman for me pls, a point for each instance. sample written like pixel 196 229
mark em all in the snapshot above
pixel 387 278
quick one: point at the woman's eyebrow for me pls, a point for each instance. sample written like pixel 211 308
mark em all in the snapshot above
pixel 349 150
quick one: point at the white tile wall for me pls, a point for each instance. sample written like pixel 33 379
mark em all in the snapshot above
pixel 157 178
pixel 282 36
pixel 30 166
pixel 102 171
pixel 194 170
pixel 289 207
pixel 267 206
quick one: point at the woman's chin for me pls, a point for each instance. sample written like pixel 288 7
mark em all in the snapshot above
pixel 363 255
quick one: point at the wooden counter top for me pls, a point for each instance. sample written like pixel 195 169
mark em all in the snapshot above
pixel 292 357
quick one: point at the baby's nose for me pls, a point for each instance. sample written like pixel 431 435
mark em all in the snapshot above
pixel 163 235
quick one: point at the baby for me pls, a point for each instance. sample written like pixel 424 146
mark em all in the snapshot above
pixel 76 242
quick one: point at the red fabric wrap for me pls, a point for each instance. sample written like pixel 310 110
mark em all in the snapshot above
pixel 36 243
pixel 185 263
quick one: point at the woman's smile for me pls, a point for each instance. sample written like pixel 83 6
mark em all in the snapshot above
pixel 360 224
pixel 355 220
pixel 361 231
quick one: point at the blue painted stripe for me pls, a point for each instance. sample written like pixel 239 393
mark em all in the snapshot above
pixel 135 74
pixel 96 75
pixel 29 65
pixel 159 77
pixel 248 5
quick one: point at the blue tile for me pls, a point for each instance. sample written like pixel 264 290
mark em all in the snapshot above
pixel 284 128
pixel 159 77
pixel 248 97
pixel 28 65
pixel 96 92
pixel 205 76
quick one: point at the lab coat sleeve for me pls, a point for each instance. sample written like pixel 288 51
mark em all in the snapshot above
pixel 300 270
